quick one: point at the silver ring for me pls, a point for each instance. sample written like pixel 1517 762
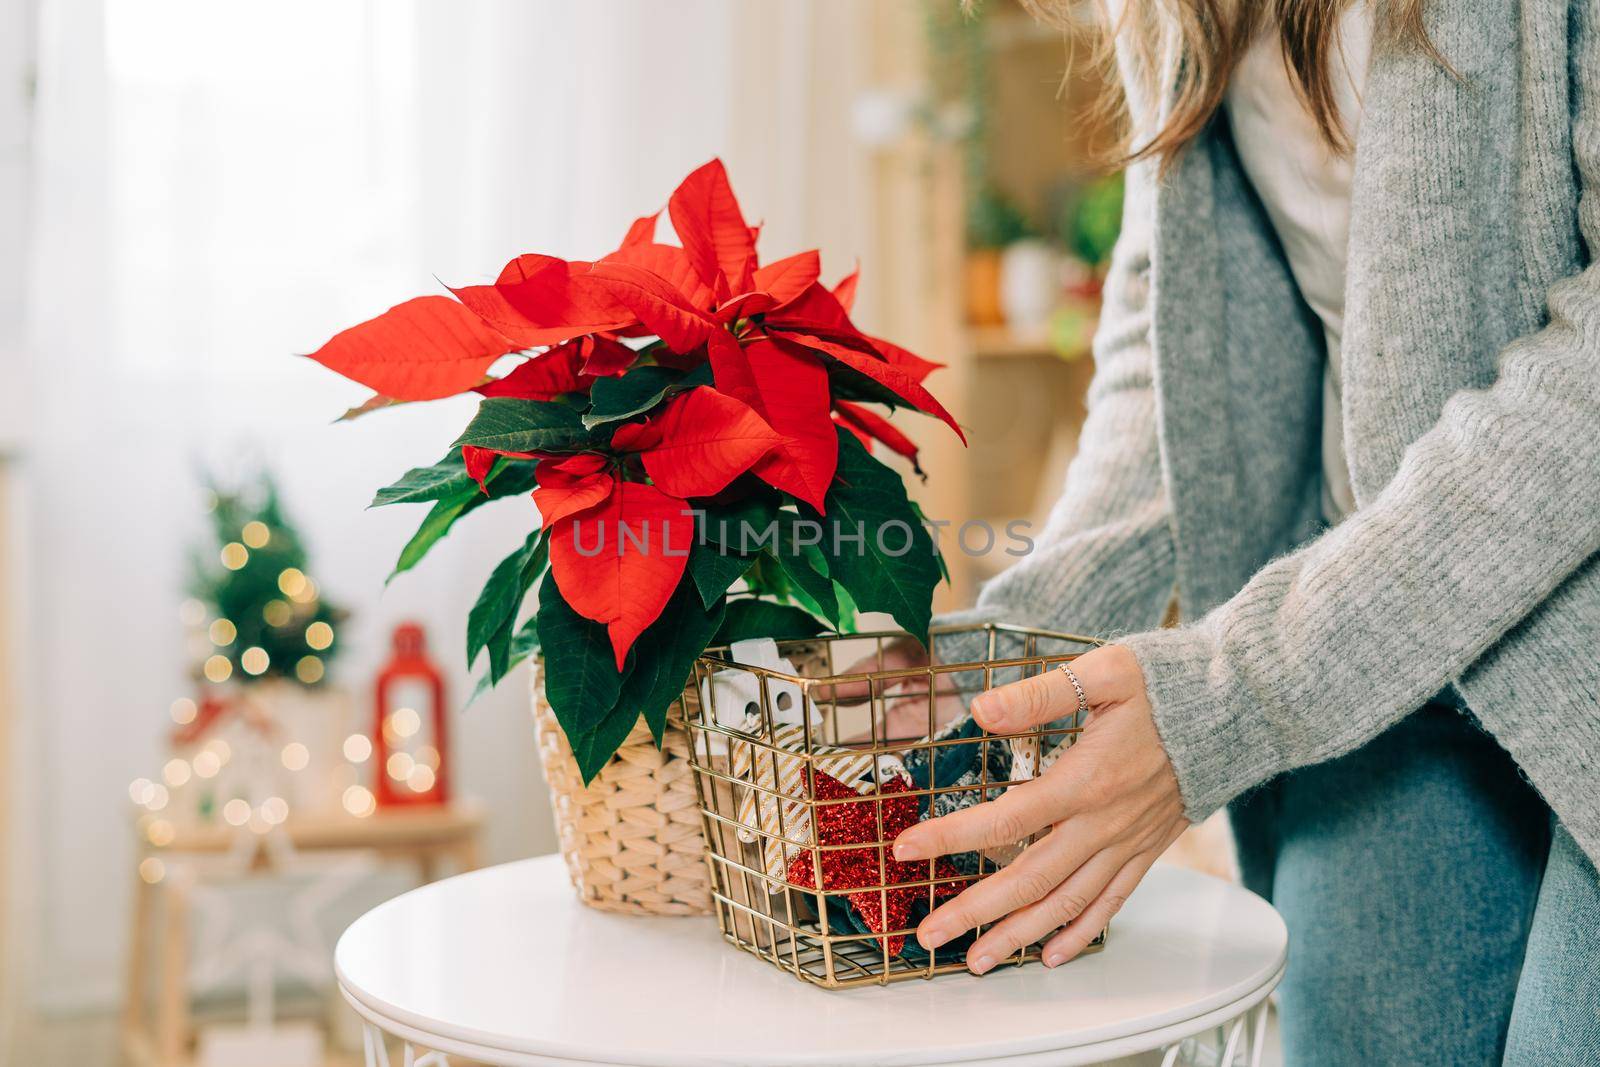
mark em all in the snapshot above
pixel 1083 698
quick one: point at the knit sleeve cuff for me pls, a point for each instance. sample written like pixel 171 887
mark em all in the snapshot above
pixel 1219 745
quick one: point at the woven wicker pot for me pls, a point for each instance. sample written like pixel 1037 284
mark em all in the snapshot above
pixel 632 837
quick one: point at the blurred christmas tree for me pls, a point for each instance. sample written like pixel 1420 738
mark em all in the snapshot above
pixel 264 615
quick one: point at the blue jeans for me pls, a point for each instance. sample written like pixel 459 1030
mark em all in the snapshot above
pixel 1437 912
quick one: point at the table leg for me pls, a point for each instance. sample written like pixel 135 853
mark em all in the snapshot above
pixel 377 1053
pixel 1246 1034
pixel 133 1007
pixel 1258 1032
pixel 172 1008
pixel 1237 1031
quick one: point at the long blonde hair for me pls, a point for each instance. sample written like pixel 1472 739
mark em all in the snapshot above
pixel 1212 36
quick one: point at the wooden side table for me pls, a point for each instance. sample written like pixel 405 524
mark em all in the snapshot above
pixel 505 967
pixel 428 837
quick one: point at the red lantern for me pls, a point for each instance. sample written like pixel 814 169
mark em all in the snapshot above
pixel 408 731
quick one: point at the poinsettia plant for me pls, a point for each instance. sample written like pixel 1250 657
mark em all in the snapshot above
pixel 685 419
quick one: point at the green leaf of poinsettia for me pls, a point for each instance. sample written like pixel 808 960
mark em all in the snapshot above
pixel 506 478
pixel 850 384
pixel 501 641
pixel 747 618
pixel 894 567
pixel 525 426
pixel 496 609
pixel 663 658
pixel 766 579
pixel 510 477
pixel 523 644
pixel 594 748
pixel 847 610
pixel 944 568
pixel 581 680
pixel 445 478
pixel 499 646
pixel 745 527
pixel 615 399
pixel 789 570
pixel 434 526
pixel 799 562
pixel 713 569
pixel 479 687
pixel 756 525
pixel 597 707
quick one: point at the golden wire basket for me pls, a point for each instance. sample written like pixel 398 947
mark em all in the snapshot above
pixel 810 757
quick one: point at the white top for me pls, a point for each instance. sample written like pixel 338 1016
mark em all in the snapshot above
pixel 505 966
pixel 1305 187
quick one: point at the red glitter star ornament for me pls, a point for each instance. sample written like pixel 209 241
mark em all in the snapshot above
pixel 857 821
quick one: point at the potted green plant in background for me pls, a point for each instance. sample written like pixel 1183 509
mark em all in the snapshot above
pixel 994 224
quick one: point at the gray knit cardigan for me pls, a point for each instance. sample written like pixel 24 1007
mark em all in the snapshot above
pixel 1471 421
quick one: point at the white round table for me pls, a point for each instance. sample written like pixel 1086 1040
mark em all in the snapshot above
pixel 504 966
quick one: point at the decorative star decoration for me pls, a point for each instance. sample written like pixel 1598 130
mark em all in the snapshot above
pixel 232 943
pixel 858 821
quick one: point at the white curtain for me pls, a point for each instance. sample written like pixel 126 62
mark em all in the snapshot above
pixel 221 185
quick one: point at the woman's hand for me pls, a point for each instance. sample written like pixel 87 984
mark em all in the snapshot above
pixel 898 654
pixel 905 702
pixel 1110 803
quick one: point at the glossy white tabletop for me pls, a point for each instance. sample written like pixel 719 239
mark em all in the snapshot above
pixel 506 966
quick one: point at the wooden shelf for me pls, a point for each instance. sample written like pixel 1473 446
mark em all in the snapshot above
pixel 1003 342
pixel 1018 395
pixel 405 829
